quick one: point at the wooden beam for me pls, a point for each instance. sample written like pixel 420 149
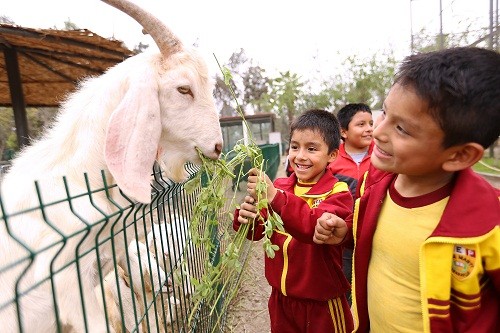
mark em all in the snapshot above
pixel 17 96
pixel 40 34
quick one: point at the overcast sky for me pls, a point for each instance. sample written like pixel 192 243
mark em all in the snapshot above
pixel 301 36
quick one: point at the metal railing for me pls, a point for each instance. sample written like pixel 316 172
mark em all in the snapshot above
pixel 142 258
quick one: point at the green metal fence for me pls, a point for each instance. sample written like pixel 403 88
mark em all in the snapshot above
pixel 143 257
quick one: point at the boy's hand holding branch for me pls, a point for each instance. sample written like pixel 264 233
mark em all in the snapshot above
pixel 248 209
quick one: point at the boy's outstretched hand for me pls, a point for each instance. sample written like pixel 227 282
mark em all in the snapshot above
pixel 330 229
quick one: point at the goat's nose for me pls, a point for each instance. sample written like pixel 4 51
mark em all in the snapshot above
pixel 218 148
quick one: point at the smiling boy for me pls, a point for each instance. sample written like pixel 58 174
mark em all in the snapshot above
pixel 308 287
pixel 426 227
pixel 356 128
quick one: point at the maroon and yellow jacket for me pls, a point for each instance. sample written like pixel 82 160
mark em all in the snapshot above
pixel 459 261
pixel 346 170
pixel 301 268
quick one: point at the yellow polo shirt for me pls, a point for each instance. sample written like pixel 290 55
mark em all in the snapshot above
pixel 393 274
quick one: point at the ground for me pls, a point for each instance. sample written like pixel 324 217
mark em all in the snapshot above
pixel 248 311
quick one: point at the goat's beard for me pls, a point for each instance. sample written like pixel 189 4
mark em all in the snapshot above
pixel 173 168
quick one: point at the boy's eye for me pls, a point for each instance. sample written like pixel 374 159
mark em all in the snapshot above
pixel 401 130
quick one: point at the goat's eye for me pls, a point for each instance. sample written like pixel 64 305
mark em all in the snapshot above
pixel 185 90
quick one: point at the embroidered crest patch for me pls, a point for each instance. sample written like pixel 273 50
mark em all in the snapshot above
pixel 316 202
pixel 464 259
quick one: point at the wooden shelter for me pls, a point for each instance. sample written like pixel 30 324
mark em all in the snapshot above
pixel 39 67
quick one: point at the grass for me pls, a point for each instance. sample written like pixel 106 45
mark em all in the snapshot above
pixel 492 166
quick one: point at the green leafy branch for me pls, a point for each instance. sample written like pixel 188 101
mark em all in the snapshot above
pixel 221 279
pixel 273 220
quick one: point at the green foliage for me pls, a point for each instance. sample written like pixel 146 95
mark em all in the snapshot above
pixel 226 88
pixel 38 120
pixel 285 92
pixel 6 126
pixel 323 99
pixel 364 81
pixel 488 165
pixel 424 41
pixel 256 86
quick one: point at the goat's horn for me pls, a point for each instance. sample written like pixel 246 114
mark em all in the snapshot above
pixel 167 42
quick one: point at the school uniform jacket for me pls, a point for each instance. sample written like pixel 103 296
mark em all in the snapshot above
pixel 348 171
pixel 459 262
pixel 301 268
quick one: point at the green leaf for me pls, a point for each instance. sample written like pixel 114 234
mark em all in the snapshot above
pixel 227 76
pixel 192 184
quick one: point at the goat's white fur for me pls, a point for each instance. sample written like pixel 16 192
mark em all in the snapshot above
pixel 168 242
pixel 90 134
pixel 138 288
pixel 154 279
pixel 125 296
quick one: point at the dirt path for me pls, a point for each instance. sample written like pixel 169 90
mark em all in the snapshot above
pixel 248 311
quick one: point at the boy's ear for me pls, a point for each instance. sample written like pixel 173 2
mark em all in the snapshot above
pixel 463 156
pixel 343 133
pixel 333 155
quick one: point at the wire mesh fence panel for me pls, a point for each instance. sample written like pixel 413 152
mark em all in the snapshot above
pixel 94 261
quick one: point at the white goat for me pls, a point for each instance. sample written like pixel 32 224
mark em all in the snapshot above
pixel 168 242
pixel 154 106
pixel 154 280
pixel 170 236
pixel 139 290
pixel 116 292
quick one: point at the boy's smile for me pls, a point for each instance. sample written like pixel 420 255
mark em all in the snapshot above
pixel 308 155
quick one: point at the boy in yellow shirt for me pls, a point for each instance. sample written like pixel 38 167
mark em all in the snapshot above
pixel 426 228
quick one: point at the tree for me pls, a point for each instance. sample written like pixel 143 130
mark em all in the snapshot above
pixel 6 128
pixel 38 120
pixel 68 25
pixel 223 96
pixel 363 81
pixel 6 20
pixel 425 41
pixel 318 100
pixel 284 94
pixel 139 48
pixel 256 85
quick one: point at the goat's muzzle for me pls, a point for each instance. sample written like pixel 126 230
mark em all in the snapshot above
pixel 218 149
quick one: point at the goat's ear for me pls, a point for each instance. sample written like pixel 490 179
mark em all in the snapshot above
pixel 132 138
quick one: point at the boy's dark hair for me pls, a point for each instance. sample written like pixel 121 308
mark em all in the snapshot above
pixel 462 87
pixel 321 121
pixel 346 114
